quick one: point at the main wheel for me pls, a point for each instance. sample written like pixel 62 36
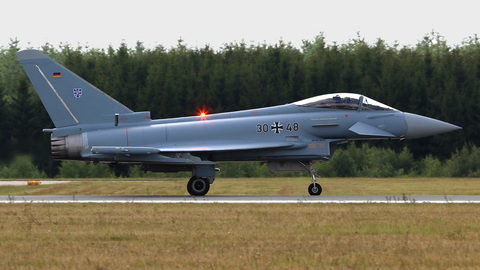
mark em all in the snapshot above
pixel 315 190
pixel 198 186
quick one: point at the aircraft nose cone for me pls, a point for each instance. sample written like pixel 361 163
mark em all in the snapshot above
pixel 420 126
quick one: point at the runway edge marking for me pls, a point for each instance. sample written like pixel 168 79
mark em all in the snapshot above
pixel 67 199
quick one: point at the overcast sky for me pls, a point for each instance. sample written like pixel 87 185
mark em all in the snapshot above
pixel 100 23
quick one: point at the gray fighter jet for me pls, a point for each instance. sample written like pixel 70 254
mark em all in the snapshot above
pixel 92 126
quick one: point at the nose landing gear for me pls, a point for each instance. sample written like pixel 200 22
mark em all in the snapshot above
pixel 314 189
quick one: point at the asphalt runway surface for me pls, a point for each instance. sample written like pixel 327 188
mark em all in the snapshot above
pixel 238 199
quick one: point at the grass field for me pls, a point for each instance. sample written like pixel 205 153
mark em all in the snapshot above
pixel 216 236
pixel 250 236
pixel 258 186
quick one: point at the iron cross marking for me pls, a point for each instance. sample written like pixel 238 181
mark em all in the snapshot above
pixel 277 127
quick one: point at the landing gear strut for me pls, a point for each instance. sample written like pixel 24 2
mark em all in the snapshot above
pixel 314 189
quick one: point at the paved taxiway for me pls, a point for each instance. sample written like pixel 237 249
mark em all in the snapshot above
pixel 238 199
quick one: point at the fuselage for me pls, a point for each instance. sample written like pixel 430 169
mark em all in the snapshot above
pixel 309 130
pixel 288 132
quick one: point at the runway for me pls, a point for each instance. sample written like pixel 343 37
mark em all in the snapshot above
pixel 238 199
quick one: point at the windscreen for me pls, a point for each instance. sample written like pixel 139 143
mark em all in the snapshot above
pixel 343 101
pixel 373 105
pixel 332 101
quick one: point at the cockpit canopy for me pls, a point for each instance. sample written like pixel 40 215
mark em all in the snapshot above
pixel 344 101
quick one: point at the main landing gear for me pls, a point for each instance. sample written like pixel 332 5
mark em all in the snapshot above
pixel 314 189
pixel 198 186
pixel 203 176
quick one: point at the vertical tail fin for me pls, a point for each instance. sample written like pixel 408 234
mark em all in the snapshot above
pixel 68 99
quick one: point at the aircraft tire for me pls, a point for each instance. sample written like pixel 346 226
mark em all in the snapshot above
pixel 198 186
pixel 315 190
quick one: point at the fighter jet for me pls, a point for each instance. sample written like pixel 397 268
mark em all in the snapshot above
pixel 92 126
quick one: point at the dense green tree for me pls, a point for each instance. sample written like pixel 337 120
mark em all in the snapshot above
pixel 22 111
pixel 5 124
pixel 9 67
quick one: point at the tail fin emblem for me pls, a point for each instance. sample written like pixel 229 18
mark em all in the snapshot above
pixel 77 92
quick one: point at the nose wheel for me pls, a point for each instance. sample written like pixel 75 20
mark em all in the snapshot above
pixel 314 189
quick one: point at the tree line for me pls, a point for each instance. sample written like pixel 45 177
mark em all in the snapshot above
pixel 351 161
pixel 431 79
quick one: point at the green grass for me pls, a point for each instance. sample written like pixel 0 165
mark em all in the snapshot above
pixel 257 186
pixel 249 236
